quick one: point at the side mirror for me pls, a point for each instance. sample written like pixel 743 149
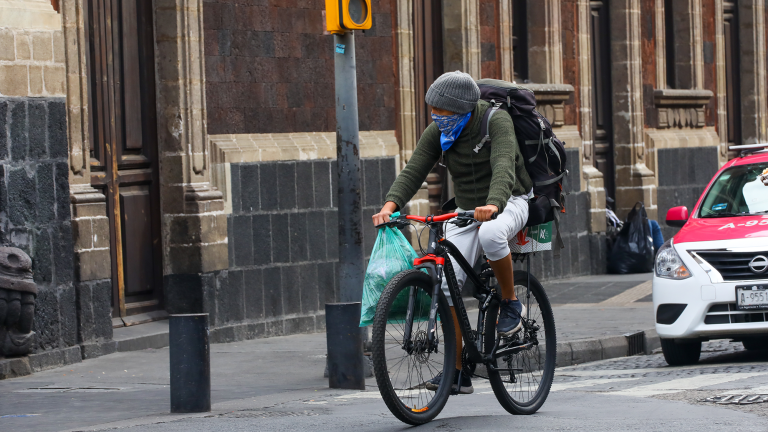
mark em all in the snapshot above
pixel 677 216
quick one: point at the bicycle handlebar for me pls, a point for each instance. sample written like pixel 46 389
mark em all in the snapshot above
pixel 445 217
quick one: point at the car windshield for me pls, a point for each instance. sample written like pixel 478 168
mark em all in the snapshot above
pixel 739 191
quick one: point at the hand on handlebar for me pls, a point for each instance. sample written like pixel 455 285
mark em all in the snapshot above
pixel 486 213
pixel 386 211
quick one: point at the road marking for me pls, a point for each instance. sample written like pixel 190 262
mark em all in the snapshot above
pixel 682 384
pixel 587 383
pixel 572 370
pixel 629 296
pixel 754 390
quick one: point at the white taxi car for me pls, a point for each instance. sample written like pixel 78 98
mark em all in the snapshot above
pixel 711 279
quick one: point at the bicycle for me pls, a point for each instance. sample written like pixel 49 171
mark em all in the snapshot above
pixel 413 318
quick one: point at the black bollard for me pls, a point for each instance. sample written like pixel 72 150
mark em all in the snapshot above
pixel 345 346
pixel 190 363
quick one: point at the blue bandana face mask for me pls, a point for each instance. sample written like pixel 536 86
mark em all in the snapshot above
pixel 451 127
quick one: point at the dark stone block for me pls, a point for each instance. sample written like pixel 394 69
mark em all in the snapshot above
pixel 68 315
pixel 57 129
pixel 568 220
pixel 291 287
pixel 36 118
pixel 304 178
pixel 46 195
pixel 326 285
pixel 309 289
pixel 299 247
pixel 249 187
pixel 334 185
pixel 584 261
pixel 369 231
pixel 372 181
pixel 3 130
pixel 316 235
pixel 280 238
pixel 22 196
pixel 299 325
pixel 208 296
pixel 237 196
pixel 253 287
pixel 321 174
pixel 86 321
pixel 273 292
pixel 387 171
pixel 262 239
pixel 46 323
pixel 565 257
pixel 63 258
pixel 184 294
pixel 332 234
pixel 243 240
pixel 232 302
pixel 42 260
pixel 665 168
pixel 19 132
pixel 230 241
pixel 582 208
pixel 286 185
pixel 225 42
pixel 61 180
pixel 101 297
pixel 268 186
pixel 274 328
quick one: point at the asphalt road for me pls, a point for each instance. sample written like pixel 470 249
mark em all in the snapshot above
pixel 634 393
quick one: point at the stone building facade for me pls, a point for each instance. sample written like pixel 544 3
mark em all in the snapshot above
pixel 175 156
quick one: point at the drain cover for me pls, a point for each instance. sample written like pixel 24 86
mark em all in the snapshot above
pixel 738 399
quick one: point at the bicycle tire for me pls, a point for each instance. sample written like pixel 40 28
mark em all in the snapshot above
pixel 380 334
pixel 542 313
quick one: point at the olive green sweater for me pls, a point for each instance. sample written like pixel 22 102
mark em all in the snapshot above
pixel 490 176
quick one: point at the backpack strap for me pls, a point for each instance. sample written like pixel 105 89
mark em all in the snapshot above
pixel 541 141
pixel 485 126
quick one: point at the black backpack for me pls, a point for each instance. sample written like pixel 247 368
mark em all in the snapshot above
pixel 544 154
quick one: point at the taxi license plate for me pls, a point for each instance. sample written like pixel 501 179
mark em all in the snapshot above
pixel 752 297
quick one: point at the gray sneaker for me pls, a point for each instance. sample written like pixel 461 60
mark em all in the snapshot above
pixel 510 317
pixel 466 383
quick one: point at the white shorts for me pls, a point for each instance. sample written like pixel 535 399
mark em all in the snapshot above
pixel 491 237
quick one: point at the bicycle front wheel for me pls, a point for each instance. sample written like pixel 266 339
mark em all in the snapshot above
pixel 403 365
pixel 522 384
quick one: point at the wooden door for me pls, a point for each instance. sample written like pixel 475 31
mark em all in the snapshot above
pixel 732 71
pixel 124 147
pixel 602 112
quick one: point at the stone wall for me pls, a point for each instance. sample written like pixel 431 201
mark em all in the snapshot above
pixel 270 68
pixel 489 52
pixel 35 212
pixel 683 175
pixel 283 248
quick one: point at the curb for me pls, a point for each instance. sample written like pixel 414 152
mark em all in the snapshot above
pixel 588 350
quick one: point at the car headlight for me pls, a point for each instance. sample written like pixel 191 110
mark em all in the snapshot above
pixel 668 263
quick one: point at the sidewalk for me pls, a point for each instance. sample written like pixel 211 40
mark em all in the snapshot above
pixel 592 314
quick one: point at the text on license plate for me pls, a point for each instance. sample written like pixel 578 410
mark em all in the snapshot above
pixel 752 297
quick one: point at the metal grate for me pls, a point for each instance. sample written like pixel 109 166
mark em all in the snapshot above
pixel 635 343
pixel 733 266
pixel 728 313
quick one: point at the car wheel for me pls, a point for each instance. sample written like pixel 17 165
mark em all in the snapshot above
pixel 680 353
pixel 755 344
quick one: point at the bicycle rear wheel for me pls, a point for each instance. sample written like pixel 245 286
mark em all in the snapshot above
pixel 524 389
pixel 402 371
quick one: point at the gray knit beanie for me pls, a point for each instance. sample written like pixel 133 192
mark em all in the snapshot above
pixel 453 91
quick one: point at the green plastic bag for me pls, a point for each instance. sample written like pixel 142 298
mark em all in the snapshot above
pixel 392 254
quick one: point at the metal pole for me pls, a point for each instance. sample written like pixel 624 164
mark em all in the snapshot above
pixel 190 363
pixel 351 263
pixel 345 346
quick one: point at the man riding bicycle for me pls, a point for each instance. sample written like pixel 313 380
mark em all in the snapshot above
pixel 491 179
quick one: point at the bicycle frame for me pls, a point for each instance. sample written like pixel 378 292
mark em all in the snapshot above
pixel 435 263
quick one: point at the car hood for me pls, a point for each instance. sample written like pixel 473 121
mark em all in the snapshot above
pixel 727 228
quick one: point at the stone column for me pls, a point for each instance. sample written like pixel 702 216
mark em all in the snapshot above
pixel 754 112
pixel 461 36
pixel 505 40
pixel 592 179
pixel 545 52
pixel 194 224
pixel 634 181
pixel 406 79
pixel 721 92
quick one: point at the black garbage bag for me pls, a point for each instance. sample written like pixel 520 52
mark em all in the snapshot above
pixel 632 251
